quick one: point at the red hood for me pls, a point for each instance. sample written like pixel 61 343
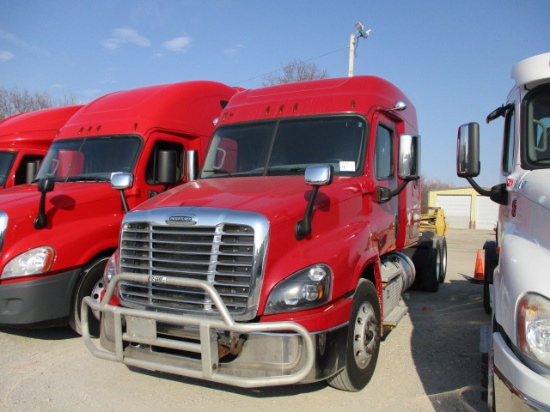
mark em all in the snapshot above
pixel 277 197
pixel 21 201
pixel 18 195
pixel 82 219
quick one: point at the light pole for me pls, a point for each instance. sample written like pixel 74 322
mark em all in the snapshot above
pixel 353 41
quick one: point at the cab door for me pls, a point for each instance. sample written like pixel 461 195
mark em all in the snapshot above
pixel 384 159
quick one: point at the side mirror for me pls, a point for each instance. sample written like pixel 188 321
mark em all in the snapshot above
pixel 315 176
pixel 46 185
pixel 467 151
pixel 167 167
pixel 31 170
pixel 319 175
pixel 121 181
pixel 468 164
pixel 409 157
pixel 192 163
pixel 409 167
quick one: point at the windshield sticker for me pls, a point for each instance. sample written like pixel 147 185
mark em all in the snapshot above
pixel 347 166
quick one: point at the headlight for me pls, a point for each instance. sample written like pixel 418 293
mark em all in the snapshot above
pixel 306 289
pixel 33 262
pixel 533 323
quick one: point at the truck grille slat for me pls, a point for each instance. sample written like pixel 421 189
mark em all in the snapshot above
pixel 166 262
pixel 187 273
pixel 177 296
pixel 222 255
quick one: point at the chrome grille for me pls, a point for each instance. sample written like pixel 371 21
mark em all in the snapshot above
pixel 222 255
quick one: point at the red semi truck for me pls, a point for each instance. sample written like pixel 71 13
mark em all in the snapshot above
pixel 24 140
pixel 285 262
pixel 56 235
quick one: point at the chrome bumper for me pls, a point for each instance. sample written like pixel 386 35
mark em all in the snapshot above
pixel 274 353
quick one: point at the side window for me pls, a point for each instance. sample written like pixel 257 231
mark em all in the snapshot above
pixel 26 171
pixel 152 164
pixel 383 156
pixel 509 143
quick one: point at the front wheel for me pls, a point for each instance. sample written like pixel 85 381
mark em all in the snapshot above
pixel 363 341
pixel 89 283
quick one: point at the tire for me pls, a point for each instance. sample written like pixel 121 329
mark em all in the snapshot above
pixel 90 283
pixel 443 259
pixel 431 275
pixel 363 340
pixel 491 262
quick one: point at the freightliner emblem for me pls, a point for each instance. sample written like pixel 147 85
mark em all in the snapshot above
pixel 183 220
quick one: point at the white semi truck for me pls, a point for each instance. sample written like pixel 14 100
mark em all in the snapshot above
pixel 517 262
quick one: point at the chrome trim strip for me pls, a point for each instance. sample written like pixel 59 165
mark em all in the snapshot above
pixel 3 227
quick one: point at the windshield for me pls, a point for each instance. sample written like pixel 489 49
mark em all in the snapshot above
pixel 538 128
pixel 90 159
pixel 286 147
pixel 6 160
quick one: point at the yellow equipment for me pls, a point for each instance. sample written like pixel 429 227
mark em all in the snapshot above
pixel 434 220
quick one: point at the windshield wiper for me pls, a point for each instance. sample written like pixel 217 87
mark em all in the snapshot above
pixel 90 178
pixel 219 172
pixel 288 171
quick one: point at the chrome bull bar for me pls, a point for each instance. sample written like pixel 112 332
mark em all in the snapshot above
pixel 141 330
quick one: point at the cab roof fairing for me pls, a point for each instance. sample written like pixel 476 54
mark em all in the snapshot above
pixel 359 94
pixel 188 107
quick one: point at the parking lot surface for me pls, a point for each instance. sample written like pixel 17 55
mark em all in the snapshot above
pixel 429 362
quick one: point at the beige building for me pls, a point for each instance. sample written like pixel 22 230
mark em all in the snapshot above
pixel 464 208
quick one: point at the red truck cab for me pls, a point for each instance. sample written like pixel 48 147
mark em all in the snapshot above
pixel 56 235
pixel 286 260
pixel 24 141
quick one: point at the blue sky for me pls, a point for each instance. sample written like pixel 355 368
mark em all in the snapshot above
pixel 452 58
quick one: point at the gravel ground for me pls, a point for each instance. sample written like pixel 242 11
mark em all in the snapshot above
pixel 430 362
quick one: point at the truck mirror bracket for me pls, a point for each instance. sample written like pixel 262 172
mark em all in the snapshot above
pixel 44 186
pixel 315 176
pixel 383 194
pixel 499 194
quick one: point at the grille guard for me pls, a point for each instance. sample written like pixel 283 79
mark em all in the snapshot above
pixel 143 331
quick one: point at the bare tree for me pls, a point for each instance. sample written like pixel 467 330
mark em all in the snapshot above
pixel 13 101
pixel 427 185
pixel 295 71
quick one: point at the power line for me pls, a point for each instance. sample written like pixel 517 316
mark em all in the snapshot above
pixel 275 71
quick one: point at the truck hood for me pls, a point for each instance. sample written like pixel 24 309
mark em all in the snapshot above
pixel 535 186
pixel 277 197
pixel 23 201
pixel 533 207
pixel 19 194
pixel 83 218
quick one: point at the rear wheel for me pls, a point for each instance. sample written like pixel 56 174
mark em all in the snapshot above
pixel 90 283
pixel 430 278
pixel 363 341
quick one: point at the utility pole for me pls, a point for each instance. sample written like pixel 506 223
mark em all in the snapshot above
pixel 353 41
